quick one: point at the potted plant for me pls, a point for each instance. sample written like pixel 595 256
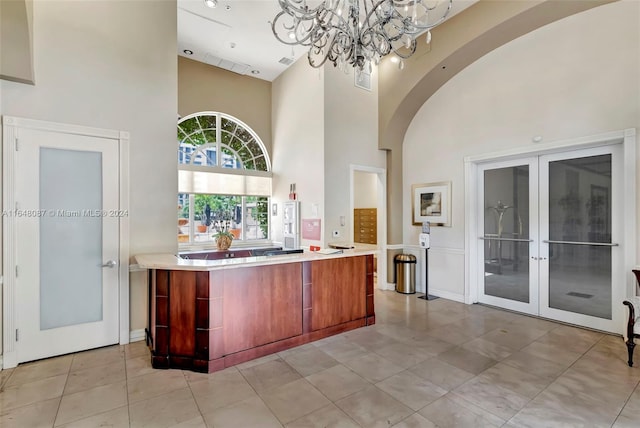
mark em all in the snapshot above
pixel 223 236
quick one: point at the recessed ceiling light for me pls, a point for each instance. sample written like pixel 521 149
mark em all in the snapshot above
pixel 211 3
pixel 187 52
pixel 255 71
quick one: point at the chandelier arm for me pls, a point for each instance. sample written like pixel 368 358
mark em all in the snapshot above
pixel 376 41
pixel 290 8
pixel 329 55
pixel 421 28
pixel 289 29
pixel 356 32
pixel 411 49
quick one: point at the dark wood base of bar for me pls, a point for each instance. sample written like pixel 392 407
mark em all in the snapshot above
pixel 203 366
pixel 207 321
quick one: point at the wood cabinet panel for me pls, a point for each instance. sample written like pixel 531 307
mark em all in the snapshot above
pixel 261 305
pixel 182 294
pixel 338 291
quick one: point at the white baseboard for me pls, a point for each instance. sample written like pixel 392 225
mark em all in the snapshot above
pixel 386 286
pixel 136 335
pixel 448 295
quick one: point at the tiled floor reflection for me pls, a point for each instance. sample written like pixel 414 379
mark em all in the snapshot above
pixel 424 364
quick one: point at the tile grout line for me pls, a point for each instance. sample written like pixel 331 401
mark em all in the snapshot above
pixel 63 388
pixel 194 399
pixel 257 393
pixel 330 400
pixel 560 374
pixel 126 388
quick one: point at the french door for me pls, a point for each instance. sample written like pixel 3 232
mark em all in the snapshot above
pixel 551 235
pixel 67 246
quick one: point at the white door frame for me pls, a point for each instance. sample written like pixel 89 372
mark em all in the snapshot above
pixel 530 307
pixel 381 174
pixel 11 142
pixel 625 137
pixel 617 235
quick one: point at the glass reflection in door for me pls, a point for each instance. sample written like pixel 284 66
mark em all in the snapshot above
pixel 506 233
pixel 580 235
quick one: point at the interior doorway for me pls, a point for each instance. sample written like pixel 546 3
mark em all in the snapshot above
pixel 368 213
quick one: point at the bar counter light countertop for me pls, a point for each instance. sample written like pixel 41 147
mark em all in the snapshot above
pixel 173 262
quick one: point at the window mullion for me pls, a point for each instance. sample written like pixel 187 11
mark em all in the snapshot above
pixel 192 223
pixel 243 217
pixel 218 138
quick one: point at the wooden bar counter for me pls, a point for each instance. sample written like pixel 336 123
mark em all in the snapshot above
pixel 206 315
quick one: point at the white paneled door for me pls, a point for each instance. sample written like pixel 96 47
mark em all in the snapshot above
pixel 551 241
pixel 67 242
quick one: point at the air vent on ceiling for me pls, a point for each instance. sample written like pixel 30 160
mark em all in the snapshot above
pixel 236 67
pixel 286 61
pixel 362 79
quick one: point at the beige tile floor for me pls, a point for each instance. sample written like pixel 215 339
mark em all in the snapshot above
pixel 424 364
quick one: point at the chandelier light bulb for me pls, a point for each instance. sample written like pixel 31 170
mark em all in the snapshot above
pixel 211 3
pixel 428 38
pixel 292 35
pixel 401 65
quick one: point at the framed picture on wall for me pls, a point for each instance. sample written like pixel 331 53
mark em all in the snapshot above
pixel 431 202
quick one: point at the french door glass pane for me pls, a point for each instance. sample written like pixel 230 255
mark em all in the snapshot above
pixel 580 211
pixel 70 237
pixel 506 217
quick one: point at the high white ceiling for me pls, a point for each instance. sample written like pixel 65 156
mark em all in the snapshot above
pixel 237 35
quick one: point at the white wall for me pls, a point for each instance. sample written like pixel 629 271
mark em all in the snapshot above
pixel 298 142
pixel 572 78
pixel 322 124
pixel 351 137
pixel 112 64
pixel 365 189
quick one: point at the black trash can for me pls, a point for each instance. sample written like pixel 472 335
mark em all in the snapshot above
pixel 405 268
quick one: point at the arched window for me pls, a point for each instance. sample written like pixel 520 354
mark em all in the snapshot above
pixel 224 180
pixel 217 139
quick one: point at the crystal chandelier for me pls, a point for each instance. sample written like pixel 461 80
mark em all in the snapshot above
pixel 357 32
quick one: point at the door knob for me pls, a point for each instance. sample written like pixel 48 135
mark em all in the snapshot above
pixel 110 264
